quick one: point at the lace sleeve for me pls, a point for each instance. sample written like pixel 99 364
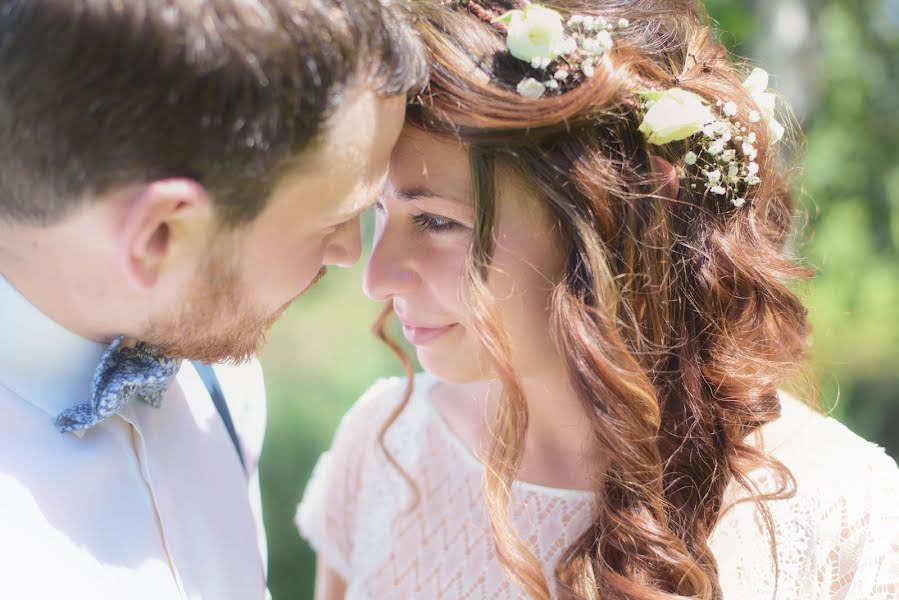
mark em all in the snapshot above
pixel 865 564
pixel 327 515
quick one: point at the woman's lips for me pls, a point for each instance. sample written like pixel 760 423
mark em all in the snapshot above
pixel 422 336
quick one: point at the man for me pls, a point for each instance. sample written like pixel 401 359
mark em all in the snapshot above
pixel 172 175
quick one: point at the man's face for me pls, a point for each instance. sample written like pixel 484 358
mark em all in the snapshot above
pixel 251 274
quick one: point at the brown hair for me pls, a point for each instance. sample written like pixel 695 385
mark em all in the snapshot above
pixel 95 94
pixel 673 314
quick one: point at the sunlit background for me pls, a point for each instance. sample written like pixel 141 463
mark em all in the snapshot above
pixel 838 64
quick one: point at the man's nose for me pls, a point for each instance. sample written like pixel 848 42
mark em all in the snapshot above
pixel 345 245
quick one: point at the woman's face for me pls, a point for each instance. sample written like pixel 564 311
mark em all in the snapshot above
pixel 422 240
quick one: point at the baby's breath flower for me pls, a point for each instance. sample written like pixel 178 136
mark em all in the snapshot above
pixel 718 190
pixel 738 202
pixel 730 109
pixel 530 88
pixel 690 158
pixel 716 147
pixel 623 23
pixel 749 151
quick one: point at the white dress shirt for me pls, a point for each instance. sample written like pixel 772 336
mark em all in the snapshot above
pixel 148 504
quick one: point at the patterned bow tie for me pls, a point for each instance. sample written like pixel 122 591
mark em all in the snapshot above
pixel 127 369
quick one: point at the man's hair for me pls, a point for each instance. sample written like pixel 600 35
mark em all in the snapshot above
pixel 96 94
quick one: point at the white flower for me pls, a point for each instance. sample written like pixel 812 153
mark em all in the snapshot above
pixel 753 180
pixel 535 32
pixel 750 151
pixel 729 155
pixel 690 158
pixel 753 168
pixel 530 88
pixel 716 147
pixel 599 23
pixel 718 190
pixel 598 45
pixel 587 68
pixel 727 136
pixel 730 109
pixel 576 20
pixel 561 75
pixel 623 23
pixel 738 202
pixel 751 138
pixel 551 84
pixel 757 85
pixel 713 176
pixel 568 46
pixel 673 115
pixel 536 62
pixel 733 174
pixel 754 116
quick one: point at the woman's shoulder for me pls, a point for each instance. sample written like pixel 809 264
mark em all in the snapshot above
pixel 826 457
pixel 377 405
pixel 842 517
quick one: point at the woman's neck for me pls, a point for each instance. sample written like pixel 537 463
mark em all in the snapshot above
pixel 560 446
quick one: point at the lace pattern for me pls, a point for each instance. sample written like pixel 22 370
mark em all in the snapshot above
pixel 837 538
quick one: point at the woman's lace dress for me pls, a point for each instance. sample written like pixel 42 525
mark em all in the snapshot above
pixel 838 537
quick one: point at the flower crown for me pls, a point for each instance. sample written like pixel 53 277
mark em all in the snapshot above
pixel 566 52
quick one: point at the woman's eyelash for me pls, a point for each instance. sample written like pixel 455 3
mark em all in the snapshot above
pixel 433 223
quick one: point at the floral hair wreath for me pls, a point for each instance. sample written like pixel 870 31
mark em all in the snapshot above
pixel 566 52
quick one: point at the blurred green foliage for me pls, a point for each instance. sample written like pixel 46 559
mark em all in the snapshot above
pixel 322 356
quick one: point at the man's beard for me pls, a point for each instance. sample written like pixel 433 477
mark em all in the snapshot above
pixel 218 323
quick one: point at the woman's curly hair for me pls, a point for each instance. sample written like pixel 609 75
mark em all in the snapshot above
pixel 674 312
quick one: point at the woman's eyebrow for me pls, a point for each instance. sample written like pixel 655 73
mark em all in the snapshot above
pixel 420 193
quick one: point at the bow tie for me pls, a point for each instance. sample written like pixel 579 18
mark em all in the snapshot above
pixel 127 369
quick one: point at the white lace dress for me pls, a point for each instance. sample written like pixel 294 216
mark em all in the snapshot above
pixel 838 537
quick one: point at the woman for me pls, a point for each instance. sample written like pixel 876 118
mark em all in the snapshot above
pixel 583 236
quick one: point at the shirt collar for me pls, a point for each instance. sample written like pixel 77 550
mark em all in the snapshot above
pixel 41 361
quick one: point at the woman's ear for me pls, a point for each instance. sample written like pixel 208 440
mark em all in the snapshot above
pixel 164 221
pixel 667 175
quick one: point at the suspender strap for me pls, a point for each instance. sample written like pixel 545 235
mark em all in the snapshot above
pixel 207 374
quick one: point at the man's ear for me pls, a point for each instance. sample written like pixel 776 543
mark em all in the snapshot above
pixel 163 219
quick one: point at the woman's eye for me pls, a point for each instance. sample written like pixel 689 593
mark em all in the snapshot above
pixel 433 223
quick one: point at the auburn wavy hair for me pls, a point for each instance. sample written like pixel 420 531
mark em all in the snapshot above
pixel 674 312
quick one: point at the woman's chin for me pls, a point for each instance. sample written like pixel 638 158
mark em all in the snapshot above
pixel 449 367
